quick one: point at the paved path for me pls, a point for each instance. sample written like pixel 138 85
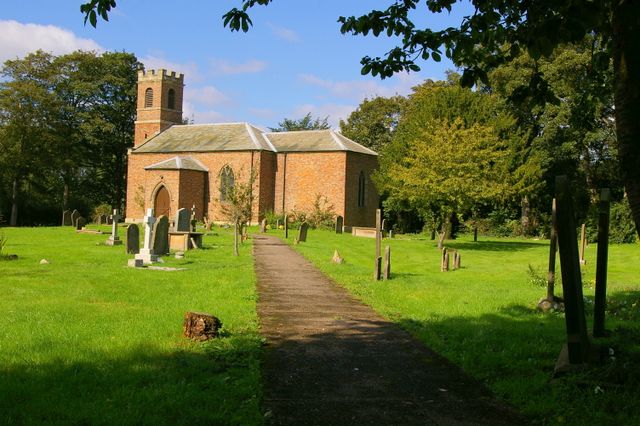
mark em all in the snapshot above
pixel 331 360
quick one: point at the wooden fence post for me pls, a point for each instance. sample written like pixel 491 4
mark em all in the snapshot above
pixel 601 265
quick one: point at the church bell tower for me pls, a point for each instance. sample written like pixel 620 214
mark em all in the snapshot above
pixel 159 103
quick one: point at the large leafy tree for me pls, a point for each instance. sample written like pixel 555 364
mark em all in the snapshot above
pixel 305 123
pixel 374 122
pixel 495 34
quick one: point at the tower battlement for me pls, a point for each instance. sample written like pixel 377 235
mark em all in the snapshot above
pixel 161 73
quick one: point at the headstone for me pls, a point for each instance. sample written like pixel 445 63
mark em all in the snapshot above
pixel 161 236
pixel 80 223
pixel 302 234
pixel 133 239
pixel 182 220
pixel 339 224
pixel 74 217
pixel 383 227
pixel 146 253
pixel 444 260
pixel 601 265
pixel 102 219
pixel 377 272
pixel 113 239
pixel 378 233
pixel 109 220
pixel 66 218
pixel 263 225
pixel 337 258
pixel 386 271
pixel 194 221
pixel 135 263
pixel 578 344
pixel 456 260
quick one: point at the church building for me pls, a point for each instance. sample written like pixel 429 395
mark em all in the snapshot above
pixel 174 165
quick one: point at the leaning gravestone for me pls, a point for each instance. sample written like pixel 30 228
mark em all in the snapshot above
pixel 339 224
pixel 133 239
pixel 182 220
pixel 302 235
pixel 263 225
pixel 66 218
pixel 80 223
pixel 74 217
pixel 161 236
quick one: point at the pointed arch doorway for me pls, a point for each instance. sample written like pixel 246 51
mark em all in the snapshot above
pixel 162 203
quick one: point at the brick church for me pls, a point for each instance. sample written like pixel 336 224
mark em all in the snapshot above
pixel 173 165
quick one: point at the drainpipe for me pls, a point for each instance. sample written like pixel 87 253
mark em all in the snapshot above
pixel 284 180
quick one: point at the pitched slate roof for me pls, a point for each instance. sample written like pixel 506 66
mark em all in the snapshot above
pixel 206 137
pixel 245 137
pixel 179 163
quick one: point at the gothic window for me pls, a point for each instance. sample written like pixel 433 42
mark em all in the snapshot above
pixel 361 188
pixel 148 98
pixel 226 182
pixel 171 99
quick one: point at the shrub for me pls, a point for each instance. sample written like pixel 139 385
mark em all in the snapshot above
pixel 100 210
pixel 273 218
pixel 322 214
pixel 622 229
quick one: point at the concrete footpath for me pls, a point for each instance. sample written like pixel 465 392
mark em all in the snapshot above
pixel 331 360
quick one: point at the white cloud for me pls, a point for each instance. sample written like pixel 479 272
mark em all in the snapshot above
pixel 284 33
pixel 207 95
pixel 221 66
pixel 156 60
pixel 18 39
pixel 263 112
pixel 357 90
pixel 334 112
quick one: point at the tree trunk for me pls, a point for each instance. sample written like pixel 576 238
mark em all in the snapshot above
pixel 200 326
pixel 65 197
pixel 235 239
pixel 626 66
pixel 525 219
pixel 13 220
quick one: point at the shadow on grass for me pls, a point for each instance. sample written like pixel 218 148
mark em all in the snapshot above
pixel 216 384
pixel 493 245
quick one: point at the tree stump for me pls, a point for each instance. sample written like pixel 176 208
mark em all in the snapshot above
pixel 200 326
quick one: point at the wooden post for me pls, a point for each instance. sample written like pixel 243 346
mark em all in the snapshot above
pixel 378 233
pixel 456 260
pixel 601 265
pixel 475 234
pixel 577 339
pixel 583 243
pixel 446 261
pixel 444 252
pixel 553 248
pixel 286 226
pixel 386 273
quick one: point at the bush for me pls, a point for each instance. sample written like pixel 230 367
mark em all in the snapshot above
pixel 273 218
pixel 322 215
pixel 622 229
pixel 100 210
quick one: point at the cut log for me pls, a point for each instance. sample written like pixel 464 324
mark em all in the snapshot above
pixel 200 326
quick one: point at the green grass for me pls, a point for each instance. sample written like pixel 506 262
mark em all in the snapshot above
pixel 87 340
pixel 483 317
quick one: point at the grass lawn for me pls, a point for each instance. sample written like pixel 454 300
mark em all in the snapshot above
pixel 483 318
pixel 87 340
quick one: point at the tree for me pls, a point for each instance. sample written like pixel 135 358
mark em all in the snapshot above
pixel 304 123
pixel 237 203
pixel 495 34
pixel 374 122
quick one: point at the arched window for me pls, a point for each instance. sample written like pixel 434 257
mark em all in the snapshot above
pixel 171 99
pixel 227 181
pixel 361 188
pixel 148 98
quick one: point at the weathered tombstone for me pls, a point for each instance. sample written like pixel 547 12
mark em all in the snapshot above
pixel 133 239
pixel 200 326
pixel 378 233
pixel 80 223
pixel 182 220
pixel 113 239
pixel 475 234
pixel 109 220
pixel 583 243
pixel 66 218
pixel 74 217
pixel 383 226
pixel 456 260
pixel 263 225
pixel 337 258
pixel 286 226
pixel 601 265
pixel 102 219
pixel 302 234
pixel 339 224
pixel 377 273
pixel 161 235
pixel 444 260
pixel 194 221
pixel 577 346
pixel 386 272
pixel 146 253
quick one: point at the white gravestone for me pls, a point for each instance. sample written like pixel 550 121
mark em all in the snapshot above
pixel 146 253
pixel 114 240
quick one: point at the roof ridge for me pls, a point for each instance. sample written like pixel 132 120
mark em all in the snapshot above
pixel 247 126
pixel 337 140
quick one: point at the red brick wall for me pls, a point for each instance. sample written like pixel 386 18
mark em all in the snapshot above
pixel 158 117
pixel 355 215
pixel 192 191
pixel 267 182
pixel 303 175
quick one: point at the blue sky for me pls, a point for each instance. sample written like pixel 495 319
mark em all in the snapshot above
pixel 293 61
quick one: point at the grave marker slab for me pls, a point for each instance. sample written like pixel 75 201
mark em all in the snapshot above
pixel 133 239
pixel 114 239
pixel 339 224
pixel 80 223
pixel 161 235
pixel 182 220
pixel 66 218
pixel 146 253
pixel 74 217
pixel 302 234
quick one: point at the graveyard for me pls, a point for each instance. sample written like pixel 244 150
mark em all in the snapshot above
pixel 86 336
